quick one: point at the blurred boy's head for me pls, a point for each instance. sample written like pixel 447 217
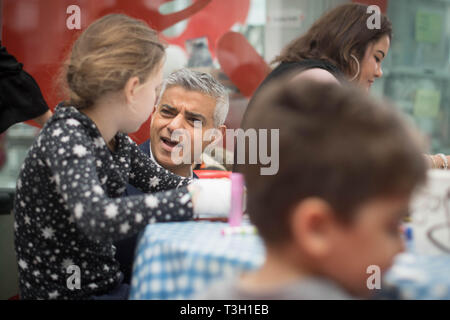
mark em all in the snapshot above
pixel 348 166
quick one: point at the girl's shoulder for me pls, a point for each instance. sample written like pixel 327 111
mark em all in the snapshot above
pixel 69 120
pixel 67 127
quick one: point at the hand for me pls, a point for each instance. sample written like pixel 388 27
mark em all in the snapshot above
pixel 438 161
pixel 211 198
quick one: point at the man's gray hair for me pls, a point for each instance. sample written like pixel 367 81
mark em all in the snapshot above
pixel 204 83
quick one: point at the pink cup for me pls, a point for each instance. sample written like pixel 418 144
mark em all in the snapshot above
pixel 237 192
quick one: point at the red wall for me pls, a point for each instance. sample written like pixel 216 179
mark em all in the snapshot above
pixel 35 30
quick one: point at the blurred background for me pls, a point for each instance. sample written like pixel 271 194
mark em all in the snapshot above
pixel 235 40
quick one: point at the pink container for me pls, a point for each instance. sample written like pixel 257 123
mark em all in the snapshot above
pixel 237 192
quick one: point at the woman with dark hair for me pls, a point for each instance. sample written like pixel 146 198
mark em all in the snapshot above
pixel 339 47
pixel 340 43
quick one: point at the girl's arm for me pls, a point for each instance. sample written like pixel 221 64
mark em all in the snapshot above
pixel 73 167
pixel 146 175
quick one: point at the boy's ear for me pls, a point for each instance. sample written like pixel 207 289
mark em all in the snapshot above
pixel 312 227
pixel 131 89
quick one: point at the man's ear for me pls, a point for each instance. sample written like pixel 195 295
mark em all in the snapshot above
pixel 312 227
pixel 214 139
pixel 131 89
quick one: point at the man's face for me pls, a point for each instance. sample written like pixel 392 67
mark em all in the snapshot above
pixel 180 109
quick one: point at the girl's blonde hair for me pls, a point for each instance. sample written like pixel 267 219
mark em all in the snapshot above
pixel 110 51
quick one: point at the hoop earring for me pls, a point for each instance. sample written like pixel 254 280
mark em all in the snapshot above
pixel 359 69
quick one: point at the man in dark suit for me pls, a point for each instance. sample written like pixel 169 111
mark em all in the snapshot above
pixel 187 97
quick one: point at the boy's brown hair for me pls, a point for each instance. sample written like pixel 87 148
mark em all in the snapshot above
pixel 335 143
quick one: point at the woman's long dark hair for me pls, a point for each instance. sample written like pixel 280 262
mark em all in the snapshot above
pixel 335 36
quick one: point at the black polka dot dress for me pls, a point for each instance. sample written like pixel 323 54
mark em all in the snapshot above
pixel 69 206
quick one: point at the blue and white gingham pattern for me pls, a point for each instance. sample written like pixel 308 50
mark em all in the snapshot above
pixel 421 276
pixel 177 260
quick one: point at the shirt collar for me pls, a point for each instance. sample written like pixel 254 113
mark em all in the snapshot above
pixel 191 175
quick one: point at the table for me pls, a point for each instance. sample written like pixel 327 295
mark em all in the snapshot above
pixel 178 260
pixel 420 277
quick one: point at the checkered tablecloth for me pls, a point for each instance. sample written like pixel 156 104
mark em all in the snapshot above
pixel 420 276
pixel 178 260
